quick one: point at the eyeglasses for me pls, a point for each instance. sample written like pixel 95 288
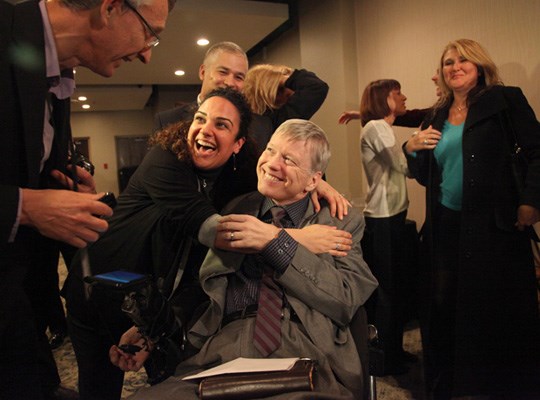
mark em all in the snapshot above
pixel 152 43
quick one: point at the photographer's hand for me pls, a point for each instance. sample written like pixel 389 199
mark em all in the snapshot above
pixel 64 215
pixel 130 362
pixel 86 182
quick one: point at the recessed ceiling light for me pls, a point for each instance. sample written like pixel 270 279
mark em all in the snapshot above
pixel 179 72
pixel 203 42
pixel 86 106
pixel 82 98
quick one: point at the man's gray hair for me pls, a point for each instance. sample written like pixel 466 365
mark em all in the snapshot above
pixel 301 130
pixel 228 47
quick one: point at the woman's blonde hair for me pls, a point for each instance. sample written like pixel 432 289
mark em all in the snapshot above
pixel 262 84
pixel 488 73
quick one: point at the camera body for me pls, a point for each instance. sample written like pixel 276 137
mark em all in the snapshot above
pixel 152 314
pixel 81 161
pixel 109 199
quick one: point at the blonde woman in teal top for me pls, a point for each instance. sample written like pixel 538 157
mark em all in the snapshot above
pixel 481 335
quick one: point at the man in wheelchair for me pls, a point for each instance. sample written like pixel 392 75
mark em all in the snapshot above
pixel 283 280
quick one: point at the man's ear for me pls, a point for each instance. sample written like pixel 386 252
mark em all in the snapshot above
pixel 201 72
pixel 313 181
pixel 109 7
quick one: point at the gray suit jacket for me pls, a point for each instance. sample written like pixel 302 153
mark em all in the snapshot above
pixel 324 291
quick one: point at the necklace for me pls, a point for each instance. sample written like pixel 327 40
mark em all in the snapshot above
pixel 461 108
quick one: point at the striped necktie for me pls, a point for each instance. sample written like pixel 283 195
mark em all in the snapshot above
pixel 267 333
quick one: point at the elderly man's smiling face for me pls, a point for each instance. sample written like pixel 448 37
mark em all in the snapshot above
pixel 284 170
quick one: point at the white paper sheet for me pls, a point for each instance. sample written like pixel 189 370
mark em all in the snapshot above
pixel 240 365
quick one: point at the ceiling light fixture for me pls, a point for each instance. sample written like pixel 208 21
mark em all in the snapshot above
pixel 86 106
pixel 179 72
pixel 82 98
pixel 203 42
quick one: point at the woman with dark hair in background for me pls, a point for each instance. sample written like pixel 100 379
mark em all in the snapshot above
pixel 411 118
pixel 385 211
pixel 483 334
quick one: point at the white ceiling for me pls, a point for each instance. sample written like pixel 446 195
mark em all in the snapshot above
pixel 244 22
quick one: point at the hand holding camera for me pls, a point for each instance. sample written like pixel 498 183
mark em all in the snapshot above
pixel 157 331
pixel 132 353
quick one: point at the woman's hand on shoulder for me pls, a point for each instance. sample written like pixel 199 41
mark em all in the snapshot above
pixel 320 239
pixel 339 205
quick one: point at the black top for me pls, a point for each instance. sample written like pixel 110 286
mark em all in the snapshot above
pixel 158 216
pixel 309 95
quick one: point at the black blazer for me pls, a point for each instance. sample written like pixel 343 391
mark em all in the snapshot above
pixel 173 115
pixel 487 178
pixel 23 91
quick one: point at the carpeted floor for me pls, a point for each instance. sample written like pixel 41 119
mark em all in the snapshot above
pixel 402 387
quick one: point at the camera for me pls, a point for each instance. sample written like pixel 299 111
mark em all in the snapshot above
pixel 109 199
pixel 152 314
pixel 81 161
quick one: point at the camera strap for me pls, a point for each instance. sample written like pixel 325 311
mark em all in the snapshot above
pixel 178 272
pixel 73 154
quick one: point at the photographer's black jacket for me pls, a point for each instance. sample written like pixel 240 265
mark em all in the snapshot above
pixel 157 220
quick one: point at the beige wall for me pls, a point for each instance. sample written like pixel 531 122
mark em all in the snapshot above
pixel 102 127
pixel 323 42
pixel 349 43
pixel 405 42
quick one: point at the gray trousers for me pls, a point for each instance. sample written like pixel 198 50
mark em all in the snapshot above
pixel 236 340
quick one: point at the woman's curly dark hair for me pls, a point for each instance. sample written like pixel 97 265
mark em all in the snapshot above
pixel 174 136
pixel 239 101
pixel 238 175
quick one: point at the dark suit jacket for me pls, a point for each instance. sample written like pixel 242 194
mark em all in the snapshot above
pixel 324 291
pixel 177 114
pixel 23 91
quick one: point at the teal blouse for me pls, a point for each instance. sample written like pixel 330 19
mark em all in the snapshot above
pixel 449 156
